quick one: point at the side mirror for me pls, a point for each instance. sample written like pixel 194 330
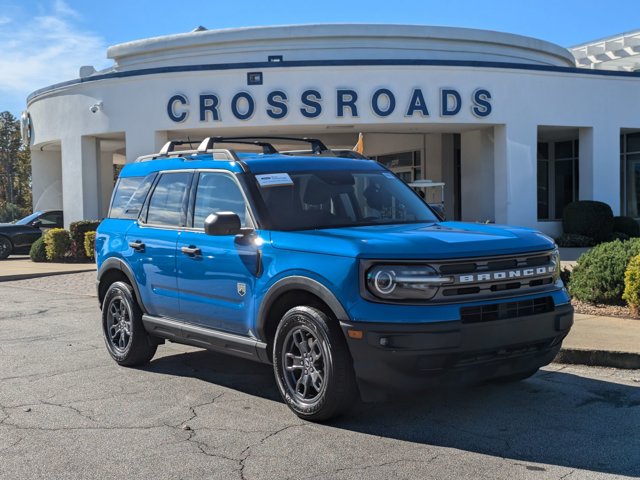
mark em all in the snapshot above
pixel 222 223
pixel 36 223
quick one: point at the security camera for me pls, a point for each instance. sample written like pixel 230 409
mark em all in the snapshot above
pixel 96 107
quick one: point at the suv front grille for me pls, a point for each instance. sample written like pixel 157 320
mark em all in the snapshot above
pixel 501 311
pixel 494 277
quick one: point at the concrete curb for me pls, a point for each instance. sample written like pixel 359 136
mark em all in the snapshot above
pixel 28 276
pixel 599 358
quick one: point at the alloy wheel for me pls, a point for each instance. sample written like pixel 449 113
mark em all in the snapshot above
pixel 303 364
pixel 119 324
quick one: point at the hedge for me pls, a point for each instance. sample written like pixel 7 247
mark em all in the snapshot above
pixel 589 218
pixel 574 240
pixel 78 230
pixel 89 244
pixel 598 276
pixel 57 243
pixel 626 225
pixel 38 253
pixel 632 285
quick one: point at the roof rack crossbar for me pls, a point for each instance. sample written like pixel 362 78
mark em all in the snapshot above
pixel 209 142
pixel 316 145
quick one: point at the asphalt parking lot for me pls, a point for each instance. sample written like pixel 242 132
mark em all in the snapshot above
pixel 68 411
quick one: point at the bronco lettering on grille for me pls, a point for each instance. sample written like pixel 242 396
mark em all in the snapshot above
pixel 506 274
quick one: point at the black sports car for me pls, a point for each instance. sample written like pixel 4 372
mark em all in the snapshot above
pixel 17 237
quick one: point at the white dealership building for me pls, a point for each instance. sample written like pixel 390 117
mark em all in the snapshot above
pixel 514 126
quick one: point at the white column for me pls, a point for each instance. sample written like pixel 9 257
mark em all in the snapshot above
pixel 599 165
pixel 515 174
pixel 433 156
pixel 448 177
pixel 80 192
pixel 105 181
pixel 143 142
pixel 46 180
pixel 477 179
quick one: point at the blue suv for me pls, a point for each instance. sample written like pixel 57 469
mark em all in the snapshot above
pixel 330 268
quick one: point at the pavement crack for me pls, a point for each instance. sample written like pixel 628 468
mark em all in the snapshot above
pixel 70 407
pixel 246 453
pixel 567 475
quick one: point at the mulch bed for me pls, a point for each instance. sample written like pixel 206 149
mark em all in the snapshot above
pixel 602 310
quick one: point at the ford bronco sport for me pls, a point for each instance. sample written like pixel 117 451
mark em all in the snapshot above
pixel 330 268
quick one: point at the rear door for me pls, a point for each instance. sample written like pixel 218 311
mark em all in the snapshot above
pixel 152 243
pixel 216 274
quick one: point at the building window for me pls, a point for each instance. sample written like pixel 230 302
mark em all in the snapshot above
pixel 630 157
pixel 557 177
pixel 407 165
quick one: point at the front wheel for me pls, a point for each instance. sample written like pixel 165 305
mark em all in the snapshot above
pixel 127 341
pixel 312 365
pixel 5 247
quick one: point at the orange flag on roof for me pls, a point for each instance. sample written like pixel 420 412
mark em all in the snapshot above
pixel 359 147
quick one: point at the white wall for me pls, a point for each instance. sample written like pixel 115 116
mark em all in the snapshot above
pixel 46 184
pixel 476 167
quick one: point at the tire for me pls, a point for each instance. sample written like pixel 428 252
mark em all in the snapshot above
pixel 6 247
pixel 516 377
pixel 312 365
pixel 124 335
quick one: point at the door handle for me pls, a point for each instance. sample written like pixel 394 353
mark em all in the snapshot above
pixel 191 250
pixel 138 246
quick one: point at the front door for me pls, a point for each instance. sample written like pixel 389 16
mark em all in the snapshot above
pixel 152 244
pixel 216 274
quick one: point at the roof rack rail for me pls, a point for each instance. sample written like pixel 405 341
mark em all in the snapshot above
pixel 217 154
pixel 267 148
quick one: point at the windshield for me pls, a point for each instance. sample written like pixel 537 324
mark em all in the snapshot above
pixel 327 199
pixel 28 219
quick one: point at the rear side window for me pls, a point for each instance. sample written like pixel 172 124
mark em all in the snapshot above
pixel 167 200
pixel 129 196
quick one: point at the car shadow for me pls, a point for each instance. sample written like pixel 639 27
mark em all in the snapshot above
pixel 554 418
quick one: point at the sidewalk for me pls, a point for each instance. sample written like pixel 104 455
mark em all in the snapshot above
pixel 21 267
pixel 602 341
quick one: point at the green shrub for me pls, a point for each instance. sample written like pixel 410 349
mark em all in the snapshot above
pixel 598 276
pixel 89 244
pixel 626 225
pixel 77 230
pixel 588 218
pixel 632 285
pixel 574 240
pixel 38 253
pixel 57 243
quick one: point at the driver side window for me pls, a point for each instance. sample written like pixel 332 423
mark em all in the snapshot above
pixel 218 192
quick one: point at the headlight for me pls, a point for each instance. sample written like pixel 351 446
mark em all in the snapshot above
pixel 555 258
pixel 403 282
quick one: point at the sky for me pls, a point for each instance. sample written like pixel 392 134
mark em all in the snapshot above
pixel 45 42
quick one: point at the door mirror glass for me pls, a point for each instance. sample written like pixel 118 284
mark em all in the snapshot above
pixel 222 223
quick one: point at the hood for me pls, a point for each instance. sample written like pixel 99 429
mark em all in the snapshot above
pixel 417 241
pixel 11 226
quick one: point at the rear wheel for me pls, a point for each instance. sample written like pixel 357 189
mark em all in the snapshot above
pixel 312 365
pixel 127 341
pixel 6 248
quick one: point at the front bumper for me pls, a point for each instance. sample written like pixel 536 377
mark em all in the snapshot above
pixel 414 356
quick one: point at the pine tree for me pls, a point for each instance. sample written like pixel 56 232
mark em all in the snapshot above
pixel 15 170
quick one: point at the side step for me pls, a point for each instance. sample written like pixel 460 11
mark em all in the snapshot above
pixel 208 338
